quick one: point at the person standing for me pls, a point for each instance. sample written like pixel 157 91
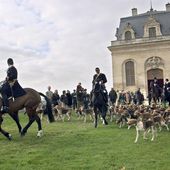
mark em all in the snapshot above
pixel 55 98
pixel 166 91
pixel 63 99
pixel 74 99
pixel 79 93
pixel 112 96
pixel 49 93
pixel 69 99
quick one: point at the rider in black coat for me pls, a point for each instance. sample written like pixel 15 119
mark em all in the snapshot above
pixel 101 79
pixel 10 87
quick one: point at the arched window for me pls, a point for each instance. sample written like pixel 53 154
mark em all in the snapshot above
pixel 128 35
pixel 130 73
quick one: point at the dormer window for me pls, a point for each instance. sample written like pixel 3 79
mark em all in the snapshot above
pixel 152 32
pixel 152 28
pixel 128 32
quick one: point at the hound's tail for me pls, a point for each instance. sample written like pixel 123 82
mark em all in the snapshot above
pixel 48 109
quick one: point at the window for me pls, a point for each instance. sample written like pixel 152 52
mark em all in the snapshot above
pixel 130 73
pixel 152 32
pixel 128 35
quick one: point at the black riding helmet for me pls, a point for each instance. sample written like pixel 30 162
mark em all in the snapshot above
pixel 10 61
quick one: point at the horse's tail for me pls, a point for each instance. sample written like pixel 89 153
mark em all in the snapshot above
pixel 48 108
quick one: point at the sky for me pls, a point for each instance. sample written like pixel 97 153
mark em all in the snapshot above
pixel 59 43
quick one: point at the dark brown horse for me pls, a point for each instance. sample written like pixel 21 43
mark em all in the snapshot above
pixel 99 103
pixel 30 102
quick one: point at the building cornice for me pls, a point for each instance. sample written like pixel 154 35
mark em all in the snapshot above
pixel 140 43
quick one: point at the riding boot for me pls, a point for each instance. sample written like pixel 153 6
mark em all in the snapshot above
pixel 5 108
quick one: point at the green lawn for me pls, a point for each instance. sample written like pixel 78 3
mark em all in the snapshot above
pixel 75 145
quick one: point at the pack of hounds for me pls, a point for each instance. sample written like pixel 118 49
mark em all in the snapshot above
pixel 146 119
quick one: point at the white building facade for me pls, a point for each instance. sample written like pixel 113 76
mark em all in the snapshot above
pixel 142 50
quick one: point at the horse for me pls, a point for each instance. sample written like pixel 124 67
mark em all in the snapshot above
pixel 99 103
pixel 30 102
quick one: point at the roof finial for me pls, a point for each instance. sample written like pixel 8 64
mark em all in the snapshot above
pixel 151 9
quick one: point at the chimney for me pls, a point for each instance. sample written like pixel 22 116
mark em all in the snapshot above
pixel 168 7
pixel 134 12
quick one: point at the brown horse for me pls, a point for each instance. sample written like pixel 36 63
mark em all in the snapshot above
pixel 30 102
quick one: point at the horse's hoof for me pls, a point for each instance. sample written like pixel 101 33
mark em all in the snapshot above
pixel 9 136
pixel 40 133
pixel 22 133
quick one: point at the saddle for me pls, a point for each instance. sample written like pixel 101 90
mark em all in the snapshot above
pixel 12 91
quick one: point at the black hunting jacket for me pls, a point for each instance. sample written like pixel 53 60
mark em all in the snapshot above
pixel 12 73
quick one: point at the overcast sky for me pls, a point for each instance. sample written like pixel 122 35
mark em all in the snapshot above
pixel 60 42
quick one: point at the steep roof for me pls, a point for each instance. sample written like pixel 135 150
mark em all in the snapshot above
pixel 138 21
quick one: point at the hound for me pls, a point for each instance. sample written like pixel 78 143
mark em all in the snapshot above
pixel 61 112
pixel 145 126
pixel 82 112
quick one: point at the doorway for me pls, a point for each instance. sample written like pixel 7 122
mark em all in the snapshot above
pixel 158 73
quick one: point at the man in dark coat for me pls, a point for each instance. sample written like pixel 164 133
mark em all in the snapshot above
pixel 74 99
pixel 55 98
pixel 155 90
pixel 167 90
pixel 112 96
pixel 79 93
pixel 69 99
pixel 10 87
pixel 101 79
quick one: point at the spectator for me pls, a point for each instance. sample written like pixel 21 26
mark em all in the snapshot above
pixel 79 92
pixel 69 99
pixel 63 99
pixel 112 96
pixel 49 93
pixel 55 98
pixel 74 99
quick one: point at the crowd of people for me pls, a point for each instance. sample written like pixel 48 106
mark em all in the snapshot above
pixel 80 97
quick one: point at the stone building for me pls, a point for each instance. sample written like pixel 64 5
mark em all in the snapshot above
pixel 142 50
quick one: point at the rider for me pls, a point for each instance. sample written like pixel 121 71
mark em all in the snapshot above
pixel 10 86
pixel 101 79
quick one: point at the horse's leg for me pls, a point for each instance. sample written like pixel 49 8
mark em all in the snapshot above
pixel 16 118
pixel 6 134
pixel 38 120
pixel 103 110
pixel 95 116
pixel 32 118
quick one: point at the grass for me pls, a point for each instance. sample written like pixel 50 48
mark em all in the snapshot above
pixel 74 145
